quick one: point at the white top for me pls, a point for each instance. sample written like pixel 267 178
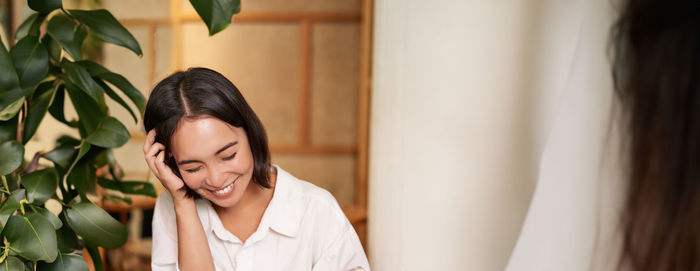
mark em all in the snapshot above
pixel 303 228
pixel 574 216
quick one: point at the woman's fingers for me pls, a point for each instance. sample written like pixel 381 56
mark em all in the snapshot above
pixel 169 179
pixel 154 153
pixel 150 156
pixel 150 138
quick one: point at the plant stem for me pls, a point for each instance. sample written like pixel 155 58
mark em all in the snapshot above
pixel 68 14
pixel 21 205
pixel 33 164
pixel 4 184
pixel 61 187
pixel 20 125
pixel 5 253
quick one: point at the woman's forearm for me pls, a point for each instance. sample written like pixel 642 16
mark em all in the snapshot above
pixel 193 248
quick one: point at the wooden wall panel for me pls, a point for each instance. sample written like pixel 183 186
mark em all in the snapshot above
pixel 333 172
pixel 291 5
pixel 162 57
pixel 262 61
pixel 335 69
pixel 131 9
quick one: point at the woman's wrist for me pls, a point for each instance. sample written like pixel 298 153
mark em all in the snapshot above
pixel 182 202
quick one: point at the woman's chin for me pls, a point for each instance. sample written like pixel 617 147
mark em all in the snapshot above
pixel 225 201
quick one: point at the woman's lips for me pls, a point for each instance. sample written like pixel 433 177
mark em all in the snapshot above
pixel 226 191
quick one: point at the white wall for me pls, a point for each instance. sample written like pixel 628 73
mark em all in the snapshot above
pixel 451 168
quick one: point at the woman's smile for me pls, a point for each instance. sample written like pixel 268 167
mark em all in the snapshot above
pixel 227 190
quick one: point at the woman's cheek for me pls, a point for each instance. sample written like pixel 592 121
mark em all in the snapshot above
pixel 191 181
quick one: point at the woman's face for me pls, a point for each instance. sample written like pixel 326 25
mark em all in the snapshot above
pixel 214 159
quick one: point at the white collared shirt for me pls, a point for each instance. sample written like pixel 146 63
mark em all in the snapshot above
pixel 303 228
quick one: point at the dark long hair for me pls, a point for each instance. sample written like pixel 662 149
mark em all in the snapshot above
pixel 656 46
pixel 200 92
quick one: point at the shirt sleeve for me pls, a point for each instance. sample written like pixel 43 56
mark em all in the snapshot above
pixel 164 245
pixel 344 253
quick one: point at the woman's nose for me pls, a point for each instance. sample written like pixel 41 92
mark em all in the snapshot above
pixel 217 177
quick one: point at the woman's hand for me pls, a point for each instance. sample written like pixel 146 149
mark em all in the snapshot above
pixel 154 153
pixel 191 239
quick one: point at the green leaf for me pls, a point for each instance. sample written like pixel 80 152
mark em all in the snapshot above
pixel 129 187
pixel 216 14
pixel 89 111
pixel 8 74
pixel 116 98
pixel 56 108
pixel 31 61
pixel 53 219
pixel 30 26
pixel 8 129
pixel 44 6
pixel 110 133
pixel 11 158
pixel 64 261
pixel 116 198
pixel 37 110
pixel 11 110
pixel 82 176
pixel 69 34
pixel 10 205
pixel 32 237
pixel 12 263
pixel 66 140
pixel 42 88
pixel 66 238
pixel 93 68
pixel 54 51
pixel 97 70
pixel 9 97
pixel 106 27
pixel 40 185
pixel 101 158
pixel 79 76
pixel 95 225
pixel 61 156
pixel 83 149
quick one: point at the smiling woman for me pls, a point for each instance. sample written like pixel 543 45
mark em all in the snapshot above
pixel 226 207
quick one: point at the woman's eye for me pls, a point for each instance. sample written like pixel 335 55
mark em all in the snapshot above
pixel 230 157
pixel 193 170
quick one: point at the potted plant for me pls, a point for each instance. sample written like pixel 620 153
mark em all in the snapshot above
pixel 37 74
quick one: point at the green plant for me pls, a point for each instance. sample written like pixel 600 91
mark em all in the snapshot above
pixel 38 73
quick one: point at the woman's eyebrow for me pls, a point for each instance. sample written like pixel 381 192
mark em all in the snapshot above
pixel 187 162
pixel 226 147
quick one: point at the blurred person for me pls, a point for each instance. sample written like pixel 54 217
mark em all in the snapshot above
pixel 618 182
pixel 226 206
pixel 657 80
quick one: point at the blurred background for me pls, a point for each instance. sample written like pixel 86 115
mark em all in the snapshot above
pixel 427 120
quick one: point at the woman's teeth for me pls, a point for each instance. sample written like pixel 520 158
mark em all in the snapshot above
pixel 225 189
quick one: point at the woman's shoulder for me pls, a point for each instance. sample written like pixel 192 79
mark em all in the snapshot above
pixel 313 197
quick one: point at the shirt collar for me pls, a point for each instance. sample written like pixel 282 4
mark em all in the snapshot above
pixel 283 213
pixel 286 207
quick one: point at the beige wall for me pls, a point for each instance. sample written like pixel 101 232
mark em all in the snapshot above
pixel 451 173
pixel 266 61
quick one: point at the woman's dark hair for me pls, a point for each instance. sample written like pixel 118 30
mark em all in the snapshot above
pixel 201 92
pixel 656 46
